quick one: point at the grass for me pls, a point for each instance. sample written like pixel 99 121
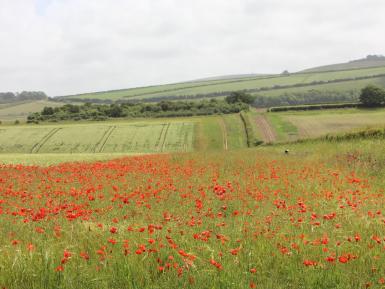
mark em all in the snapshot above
pixel 256 131
pixel 284 129
pixel 210 134
pixel 317 123
pixel 236 219
pixel 235 129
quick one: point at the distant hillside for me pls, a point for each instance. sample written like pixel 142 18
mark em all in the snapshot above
pixel 11 97
pixel 232 76
pixel 20 110
pixel 288 88
pixel 369 61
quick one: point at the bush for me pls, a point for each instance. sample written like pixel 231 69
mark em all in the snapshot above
pixel 372 96
pixel 240 96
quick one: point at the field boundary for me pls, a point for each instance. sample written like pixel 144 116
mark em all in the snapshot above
pixel 224 133
pixel 36 148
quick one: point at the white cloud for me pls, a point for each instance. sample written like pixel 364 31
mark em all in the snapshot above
pixel 71 46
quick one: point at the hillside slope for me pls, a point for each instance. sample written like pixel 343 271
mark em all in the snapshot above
pixel 369 61
pixel 349 80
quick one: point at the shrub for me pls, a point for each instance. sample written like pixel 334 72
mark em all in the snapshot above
pixel 372 96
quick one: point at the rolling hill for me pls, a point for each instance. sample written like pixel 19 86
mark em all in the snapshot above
pixel 369 61
pixel 345 80
pixel 20 110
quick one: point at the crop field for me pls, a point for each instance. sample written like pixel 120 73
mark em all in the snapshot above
pixel 225 132
pixel 294 125
pixel 215 86
pixel 98 138
pixel 235 132
pixel 210 133
pixel 241 219
pixel 20 111
pixel 345 86
pixel 136 92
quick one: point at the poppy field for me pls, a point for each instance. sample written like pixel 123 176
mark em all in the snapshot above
pixel 236 220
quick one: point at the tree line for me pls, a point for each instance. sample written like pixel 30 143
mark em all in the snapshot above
pixel 10 97
pixel 236 102
pixel 370 96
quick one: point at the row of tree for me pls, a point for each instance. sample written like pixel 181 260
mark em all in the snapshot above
pixel 9 97
pixel 307 97
pixel 236 103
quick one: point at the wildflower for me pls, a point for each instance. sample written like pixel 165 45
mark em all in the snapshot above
pixel 309 263
pixel 59 268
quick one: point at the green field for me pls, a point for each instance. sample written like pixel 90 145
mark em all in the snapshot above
pixel 145 137
pixel 224 85
pixel 310 124
pixel 210 133
pixel 352 87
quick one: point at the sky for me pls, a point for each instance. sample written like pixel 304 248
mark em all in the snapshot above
pixel 74 46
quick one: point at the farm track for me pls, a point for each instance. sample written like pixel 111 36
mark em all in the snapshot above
pixel 267 132
pixel 185 138
pixel 104 139
pixel 36 148
pixel 224 133
pixel 164 138
pixel 157 144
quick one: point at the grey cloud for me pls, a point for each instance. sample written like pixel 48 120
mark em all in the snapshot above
pixel 70 46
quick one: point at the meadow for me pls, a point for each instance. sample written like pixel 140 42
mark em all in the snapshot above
pixel 254 218
pixel 183 203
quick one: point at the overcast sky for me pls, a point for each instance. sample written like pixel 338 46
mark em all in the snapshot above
pixel 72 46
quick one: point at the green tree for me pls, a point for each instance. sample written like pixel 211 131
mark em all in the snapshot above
pixel 115 111
pixel 240 96
pixel 372 96
pixel 47 110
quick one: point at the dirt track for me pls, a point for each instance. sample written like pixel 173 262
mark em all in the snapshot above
pixel 267 132
pixel 224 133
